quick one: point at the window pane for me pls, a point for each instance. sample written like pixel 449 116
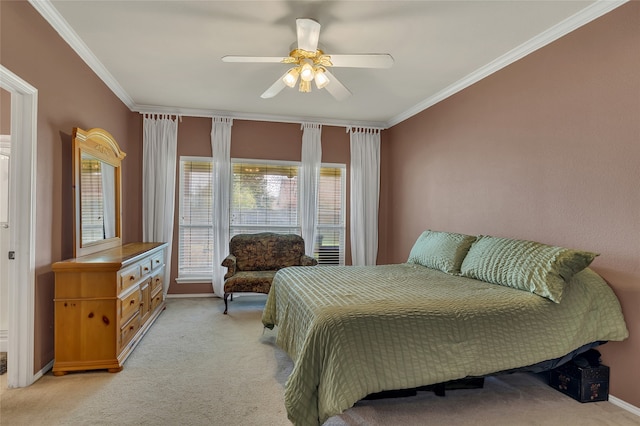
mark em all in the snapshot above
pixel 330 197
pixel 196 193
pixel 330 232
pixel 195 247
pixel 264 197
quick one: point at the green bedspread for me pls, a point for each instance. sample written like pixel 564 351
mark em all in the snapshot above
pixel 352 331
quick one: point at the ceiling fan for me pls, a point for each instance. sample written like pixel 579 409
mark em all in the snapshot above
pixel 309 63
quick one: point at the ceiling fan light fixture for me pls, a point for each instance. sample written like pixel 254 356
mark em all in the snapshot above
pixel 291 77
pixel 306 72
pixel 305 86
pixel 309 63
pixel 321 79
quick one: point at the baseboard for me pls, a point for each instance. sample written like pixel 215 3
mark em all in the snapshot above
pixel 44 370
pixel 184 295
pixel 625 405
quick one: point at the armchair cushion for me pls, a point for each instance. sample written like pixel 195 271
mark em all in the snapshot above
pixel 249 282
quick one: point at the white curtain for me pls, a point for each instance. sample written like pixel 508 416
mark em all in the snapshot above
pixel 159 154
pixel 365 188
pixel 108 175
pixel 308 183
pixel 221 188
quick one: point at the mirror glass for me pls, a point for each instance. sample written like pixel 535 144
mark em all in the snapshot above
pixel 97 200
pixel 96 162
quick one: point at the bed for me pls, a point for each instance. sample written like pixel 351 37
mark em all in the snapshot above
pixel 354 331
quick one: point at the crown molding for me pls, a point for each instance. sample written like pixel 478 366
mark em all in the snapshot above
pixel 62 27
pixel 586 15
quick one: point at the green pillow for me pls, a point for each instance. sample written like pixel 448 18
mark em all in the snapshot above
pixel 526 265
pixel 441 250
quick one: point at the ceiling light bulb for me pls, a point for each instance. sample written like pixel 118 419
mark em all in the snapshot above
pixel 291 77
pixel 321 79
pixel 306 73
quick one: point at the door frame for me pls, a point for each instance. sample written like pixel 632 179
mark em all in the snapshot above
pixel 22 216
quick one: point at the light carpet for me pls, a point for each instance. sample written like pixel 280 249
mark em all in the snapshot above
pixel 197 366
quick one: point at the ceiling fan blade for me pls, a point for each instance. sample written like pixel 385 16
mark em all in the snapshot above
pixel 308 32
pixel 336 88
pixel 269 59
pixel 275 88
pixel 375 60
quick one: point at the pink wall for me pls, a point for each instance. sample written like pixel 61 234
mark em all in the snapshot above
pixel 69 95
pixel 254 140
pixel 546 149
pixel 5 112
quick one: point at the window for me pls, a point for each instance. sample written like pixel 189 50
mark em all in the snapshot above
pixel 264 197
pixel 195 246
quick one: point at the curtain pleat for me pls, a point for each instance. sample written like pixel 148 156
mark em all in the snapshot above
pixel 308 183
pixel 159 158
pixel 365 189
pixel 221 188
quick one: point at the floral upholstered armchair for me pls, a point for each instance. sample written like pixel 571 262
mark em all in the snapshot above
pixel 254 259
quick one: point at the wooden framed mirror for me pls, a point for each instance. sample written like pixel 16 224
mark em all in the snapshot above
pixel 97 197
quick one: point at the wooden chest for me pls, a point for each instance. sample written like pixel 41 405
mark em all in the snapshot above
pixel 584 384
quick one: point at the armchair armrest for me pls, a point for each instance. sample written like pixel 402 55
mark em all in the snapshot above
pixel 230 263
pixel 307 260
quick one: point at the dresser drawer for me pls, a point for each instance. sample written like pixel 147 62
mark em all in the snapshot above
pixel 129 276
pixel 157 260
pixel 129 305
pixel 156 280
pixel 145 266
pixel 156 300
pixel 129 330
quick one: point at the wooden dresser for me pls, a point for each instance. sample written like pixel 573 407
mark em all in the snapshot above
pixel 104 304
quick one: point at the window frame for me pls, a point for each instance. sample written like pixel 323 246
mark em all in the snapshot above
pixel 340 227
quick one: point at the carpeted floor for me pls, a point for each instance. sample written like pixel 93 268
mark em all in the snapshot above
pixel 197 366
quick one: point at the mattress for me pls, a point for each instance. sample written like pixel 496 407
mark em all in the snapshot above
pixel 353 331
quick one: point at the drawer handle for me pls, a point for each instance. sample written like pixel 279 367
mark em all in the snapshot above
pixel 131 327
pixel 131 278
pixel 146 269
pixel 132 302
pixel 105 320
pixel 157 279
pixel 157 261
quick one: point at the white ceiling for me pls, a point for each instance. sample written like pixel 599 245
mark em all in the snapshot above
pixel 164 56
